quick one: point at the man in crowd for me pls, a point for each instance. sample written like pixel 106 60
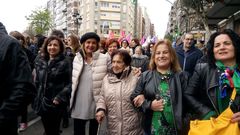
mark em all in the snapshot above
pixel 16 86
pixel 188 54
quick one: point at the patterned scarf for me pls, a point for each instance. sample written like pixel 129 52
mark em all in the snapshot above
pixel 229 78
pixel 163 122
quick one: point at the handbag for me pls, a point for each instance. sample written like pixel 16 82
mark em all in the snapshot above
pixel 216 126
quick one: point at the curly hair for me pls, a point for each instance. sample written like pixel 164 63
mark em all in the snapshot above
pixel 235 41
pixel 125 56
pixel 47 41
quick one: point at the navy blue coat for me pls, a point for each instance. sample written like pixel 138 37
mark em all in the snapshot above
pixel 188 59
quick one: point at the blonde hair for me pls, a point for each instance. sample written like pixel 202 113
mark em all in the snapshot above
pixel 83 51
pixel 174 66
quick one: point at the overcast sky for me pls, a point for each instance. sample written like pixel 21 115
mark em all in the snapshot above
pixel 13 12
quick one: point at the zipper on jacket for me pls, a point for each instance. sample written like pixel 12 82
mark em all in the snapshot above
pixel 212 102
pixel 121 108
pixel 172 107
pixel 184 62
pixel 45 79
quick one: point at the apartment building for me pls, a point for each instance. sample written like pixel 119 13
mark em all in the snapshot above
pixel 100 16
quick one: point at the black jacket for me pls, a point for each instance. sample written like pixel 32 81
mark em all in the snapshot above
pixel 53 80
pixel 201 91
pixel 188 59
pixel 140 62
pixel 147 86
pixel 16 85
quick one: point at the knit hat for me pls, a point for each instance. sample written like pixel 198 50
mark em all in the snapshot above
pixel 89 35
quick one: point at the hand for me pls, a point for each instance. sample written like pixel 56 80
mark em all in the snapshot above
pixel 99 116
pixel 137 71
pixel 236 117
pixel 138 100
pixel 157 105
pixel 55 102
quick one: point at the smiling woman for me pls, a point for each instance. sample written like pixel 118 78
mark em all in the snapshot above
pixel 210 88
pixel 114 103
pixel 159 93
pixel 53 83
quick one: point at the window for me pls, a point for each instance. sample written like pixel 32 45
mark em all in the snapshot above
pixel 114 24
pixel 96 15
pixel 104 4
pixel 80 2
pixel 115 5
pixel 103 14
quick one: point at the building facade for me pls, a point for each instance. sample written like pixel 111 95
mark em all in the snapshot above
pixel 105 17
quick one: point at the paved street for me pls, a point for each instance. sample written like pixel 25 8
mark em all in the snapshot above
pixel 36 128
pixel 35 125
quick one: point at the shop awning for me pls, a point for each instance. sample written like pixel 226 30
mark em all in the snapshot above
pixel 222 10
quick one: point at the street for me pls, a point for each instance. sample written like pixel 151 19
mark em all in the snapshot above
pixel 35 128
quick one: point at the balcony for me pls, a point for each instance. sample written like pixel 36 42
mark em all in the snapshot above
pixel 222 10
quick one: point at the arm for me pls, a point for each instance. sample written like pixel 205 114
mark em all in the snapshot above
pixel 101 105
pixel 18 88
pixel 194 91
pixel 137 95
pixel 138 89
pixel 64 95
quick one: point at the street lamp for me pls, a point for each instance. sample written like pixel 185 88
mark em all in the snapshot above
pixel 77 20
pixel 65 31
pixel 169 2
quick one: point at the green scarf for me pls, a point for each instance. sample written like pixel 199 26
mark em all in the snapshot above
pixel 235 76
pixel 228 80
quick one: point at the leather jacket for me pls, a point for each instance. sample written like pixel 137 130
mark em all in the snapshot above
pixel 201 91
pixel 147 85
pixel 16 84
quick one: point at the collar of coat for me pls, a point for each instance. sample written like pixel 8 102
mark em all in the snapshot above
pixel 113 78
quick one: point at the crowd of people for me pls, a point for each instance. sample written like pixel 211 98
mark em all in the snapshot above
pixel 119 87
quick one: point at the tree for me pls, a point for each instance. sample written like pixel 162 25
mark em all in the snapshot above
pixel 200 7
pixel 30 31
pixel 40 20
pixel 169 37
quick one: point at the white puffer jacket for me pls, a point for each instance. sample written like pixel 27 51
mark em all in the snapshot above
pixel 99 68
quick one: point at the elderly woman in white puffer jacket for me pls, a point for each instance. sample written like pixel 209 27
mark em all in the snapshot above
pixel 114 100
